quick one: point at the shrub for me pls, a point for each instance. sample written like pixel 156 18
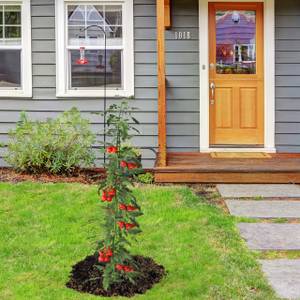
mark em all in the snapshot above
pixel 146 178
pixel 58 146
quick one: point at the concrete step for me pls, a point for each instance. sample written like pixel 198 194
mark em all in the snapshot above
pixel 264 209
pixel 268 236
pixel 284 276
pixel 259 190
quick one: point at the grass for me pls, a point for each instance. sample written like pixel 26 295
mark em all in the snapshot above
pixel 46 228
pixel 279 254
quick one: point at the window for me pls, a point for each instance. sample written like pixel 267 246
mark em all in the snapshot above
pixel 15 50
pixel 83 65
pixel 236 42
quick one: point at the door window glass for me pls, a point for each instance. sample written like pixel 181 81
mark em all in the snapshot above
pixel 235 42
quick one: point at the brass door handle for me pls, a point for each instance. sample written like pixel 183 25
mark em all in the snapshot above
pixel 212 87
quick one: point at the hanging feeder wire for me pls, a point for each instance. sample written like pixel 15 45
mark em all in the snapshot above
pixel 83 61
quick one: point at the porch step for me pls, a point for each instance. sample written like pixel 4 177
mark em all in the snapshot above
pixel 181 176
pixel 202 168
pixel 269 236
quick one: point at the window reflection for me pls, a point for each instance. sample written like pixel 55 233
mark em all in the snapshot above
pixel 10 68
pixel 92 74
pixel 108 17
pixel 236 42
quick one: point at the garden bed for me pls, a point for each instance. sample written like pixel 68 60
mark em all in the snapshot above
pixel 87 278
pixel 84 176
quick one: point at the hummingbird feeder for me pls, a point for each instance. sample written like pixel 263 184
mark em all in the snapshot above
pixel 82 60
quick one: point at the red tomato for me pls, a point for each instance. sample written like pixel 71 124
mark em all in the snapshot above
pixel 122 207
pixel 127 269
pixel 131 166
pixel 121 225
pixel 112 149
pixel 131 208
pixel 123 164
pixel 119 267
pixel 111 192
pixel 129 226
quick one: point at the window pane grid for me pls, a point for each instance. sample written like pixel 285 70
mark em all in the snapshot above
pixel 108 17
pixel 10 25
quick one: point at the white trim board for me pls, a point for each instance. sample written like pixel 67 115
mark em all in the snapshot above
pixel 269 76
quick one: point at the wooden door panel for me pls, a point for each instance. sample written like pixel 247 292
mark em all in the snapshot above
pixel 248 107
pixel 237 103
pixel 224 107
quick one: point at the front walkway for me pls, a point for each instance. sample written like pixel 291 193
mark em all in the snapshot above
pixel 278 203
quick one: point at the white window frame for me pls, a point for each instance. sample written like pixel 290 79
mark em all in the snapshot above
pixel 25 91
pixel 62 84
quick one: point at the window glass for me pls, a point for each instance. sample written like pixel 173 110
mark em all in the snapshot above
pixel 12 15
pixel 107 17
pixel 10 68
pixel 87 24
pixel 10 25
pixel 91 75
pixel 236 42
pixel 10 34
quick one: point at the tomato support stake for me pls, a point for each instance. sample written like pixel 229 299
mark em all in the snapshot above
pixel 84 60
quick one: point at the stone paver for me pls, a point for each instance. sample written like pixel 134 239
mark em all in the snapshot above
pixel 284 277
pixel 283 274
pixel 259 190
pixel 267 236
pixel 264 209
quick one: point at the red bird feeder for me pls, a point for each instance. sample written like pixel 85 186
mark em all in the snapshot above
pixel 82 60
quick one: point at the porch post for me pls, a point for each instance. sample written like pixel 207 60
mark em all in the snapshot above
pixel 161 82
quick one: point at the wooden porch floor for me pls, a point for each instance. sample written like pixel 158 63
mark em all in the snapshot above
pixel 202 168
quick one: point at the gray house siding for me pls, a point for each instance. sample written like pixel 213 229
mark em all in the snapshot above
pixel 182 57
pixel 288 75
pixel 44 103
pixel 182 72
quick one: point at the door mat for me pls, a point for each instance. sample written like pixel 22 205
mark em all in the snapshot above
pixel 240 155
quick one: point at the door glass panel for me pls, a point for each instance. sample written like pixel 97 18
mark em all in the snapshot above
pixel 235 42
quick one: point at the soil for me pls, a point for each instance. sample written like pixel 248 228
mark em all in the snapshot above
pixel 86 278
pixel 85 176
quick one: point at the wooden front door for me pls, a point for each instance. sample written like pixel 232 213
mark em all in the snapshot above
pixel 236 74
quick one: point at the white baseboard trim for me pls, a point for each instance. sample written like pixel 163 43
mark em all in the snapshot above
pixel 241 150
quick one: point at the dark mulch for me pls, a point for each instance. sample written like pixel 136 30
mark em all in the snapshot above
pixel 85 176
pixel 86 278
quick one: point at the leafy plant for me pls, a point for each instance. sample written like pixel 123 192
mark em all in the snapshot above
pixel 131 149
pixel 146 178
pixel 58 146
pixel 121 207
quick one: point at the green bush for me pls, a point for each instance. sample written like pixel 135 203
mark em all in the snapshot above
pixel 146 178
pixel 57 146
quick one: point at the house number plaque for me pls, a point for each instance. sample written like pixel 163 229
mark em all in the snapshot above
pixel 183 35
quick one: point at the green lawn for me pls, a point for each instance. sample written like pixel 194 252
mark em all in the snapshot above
pixel 46 228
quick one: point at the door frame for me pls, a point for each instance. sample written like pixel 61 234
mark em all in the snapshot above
pixel 269 78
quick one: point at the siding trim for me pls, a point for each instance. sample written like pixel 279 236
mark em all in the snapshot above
pixel 269 76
